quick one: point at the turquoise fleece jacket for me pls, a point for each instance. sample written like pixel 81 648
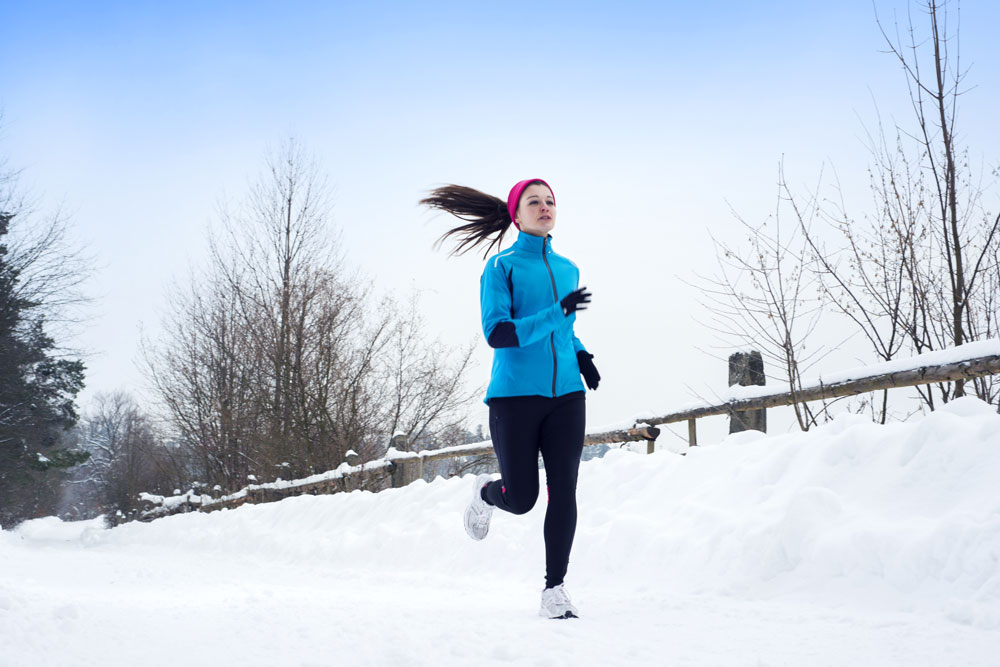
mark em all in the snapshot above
pixel 535 347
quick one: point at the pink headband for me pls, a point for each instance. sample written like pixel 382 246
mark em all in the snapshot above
pixel 515 195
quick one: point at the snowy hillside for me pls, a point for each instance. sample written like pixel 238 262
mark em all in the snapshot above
pixel 852 545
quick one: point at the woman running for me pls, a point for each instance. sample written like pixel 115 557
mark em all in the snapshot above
pixel 529 297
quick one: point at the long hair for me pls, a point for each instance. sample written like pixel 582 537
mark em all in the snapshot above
pixel 486 217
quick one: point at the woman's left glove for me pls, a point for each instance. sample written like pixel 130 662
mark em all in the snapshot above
pixel 587 369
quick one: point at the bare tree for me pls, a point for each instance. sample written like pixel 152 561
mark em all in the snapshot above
pixel 278 360
pixel 920 272
pixel 423 383
pixel 206 374
pixel 127 458
pixel 278 263
pixel 963 238
pixel 764 297
pixel 51 266
pixel 921 268
pixel 867 278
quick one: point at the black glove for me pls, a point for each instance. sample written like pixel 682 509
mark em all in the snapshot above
pixel 587 369
pixel 575 301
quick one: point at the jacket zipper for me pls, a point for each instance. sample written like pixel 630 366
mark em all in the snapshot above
pixel 552 336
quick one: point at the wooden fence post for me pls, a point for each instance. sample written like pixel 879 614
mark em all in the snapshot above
pixel 352 459
pixel 405 470
pixel 652 433
pixel 746 369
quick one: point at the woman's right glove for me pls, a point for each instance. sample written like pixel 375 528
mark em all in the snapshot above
pixel 587 369
pixel 575 301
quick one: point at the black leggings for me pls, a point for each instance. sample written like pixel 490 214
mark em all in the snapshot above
pixel 521 426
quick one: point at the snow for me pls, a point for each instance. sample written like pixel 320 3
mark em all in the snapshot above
pixel 175 500
pixel 853 544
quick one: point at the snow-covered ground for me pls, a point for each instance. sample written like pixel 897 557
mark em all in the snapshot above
pixel 854 544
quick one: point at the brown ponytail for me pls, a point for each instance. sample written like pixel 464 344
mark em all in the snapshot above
pixel 485 215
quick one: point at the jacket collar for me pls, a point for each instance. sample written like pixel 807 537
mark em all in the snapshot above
pixel 533 244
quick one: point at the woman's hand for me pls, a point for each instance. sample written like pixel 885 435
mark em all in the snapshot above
pixel 575 301
pixel 587 369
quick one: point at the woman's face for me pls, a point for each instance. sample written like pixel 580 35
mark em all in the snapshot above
pixel 536 212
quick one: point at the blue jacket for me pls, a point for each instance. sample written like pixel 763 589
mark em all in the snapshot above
pixel 535 348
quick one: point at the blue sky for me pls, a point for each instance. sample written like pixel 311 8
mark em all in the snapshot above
pixel 652 120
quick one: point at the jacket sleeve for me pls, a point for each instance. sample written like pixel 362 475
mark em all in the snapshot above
pixel 577 345
pixel 499 325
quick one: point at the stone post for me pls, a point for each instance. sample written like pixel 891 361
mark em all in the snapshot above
pixel 747 369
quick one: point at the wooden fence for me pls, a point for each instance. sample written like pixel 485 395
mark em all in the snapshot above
pixel 399 468
pixel 924 375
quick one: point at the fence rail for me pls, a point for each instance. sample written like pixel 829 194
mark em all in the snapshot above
pixel 400 468
pixel 969 369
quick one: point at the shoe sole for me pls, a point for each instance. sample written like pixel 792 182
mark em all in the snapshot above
pixel 468 510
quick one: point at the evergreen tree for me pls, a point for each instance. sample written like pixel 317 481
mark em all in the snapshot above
pixel 37 392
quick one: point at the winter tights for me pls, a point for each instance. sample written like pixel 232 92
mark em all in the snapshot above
pixel 521 427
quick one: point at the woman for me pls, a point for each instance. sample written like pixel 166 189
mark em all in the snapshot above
pixel 529 297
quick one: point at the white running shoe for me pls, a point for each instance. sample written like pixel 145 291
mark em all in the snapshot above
pixel 556 604
pixel 479 512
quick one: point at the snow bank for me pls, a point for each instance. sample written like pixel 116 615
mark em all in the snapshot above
pixel 898 523
pixel 900 517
